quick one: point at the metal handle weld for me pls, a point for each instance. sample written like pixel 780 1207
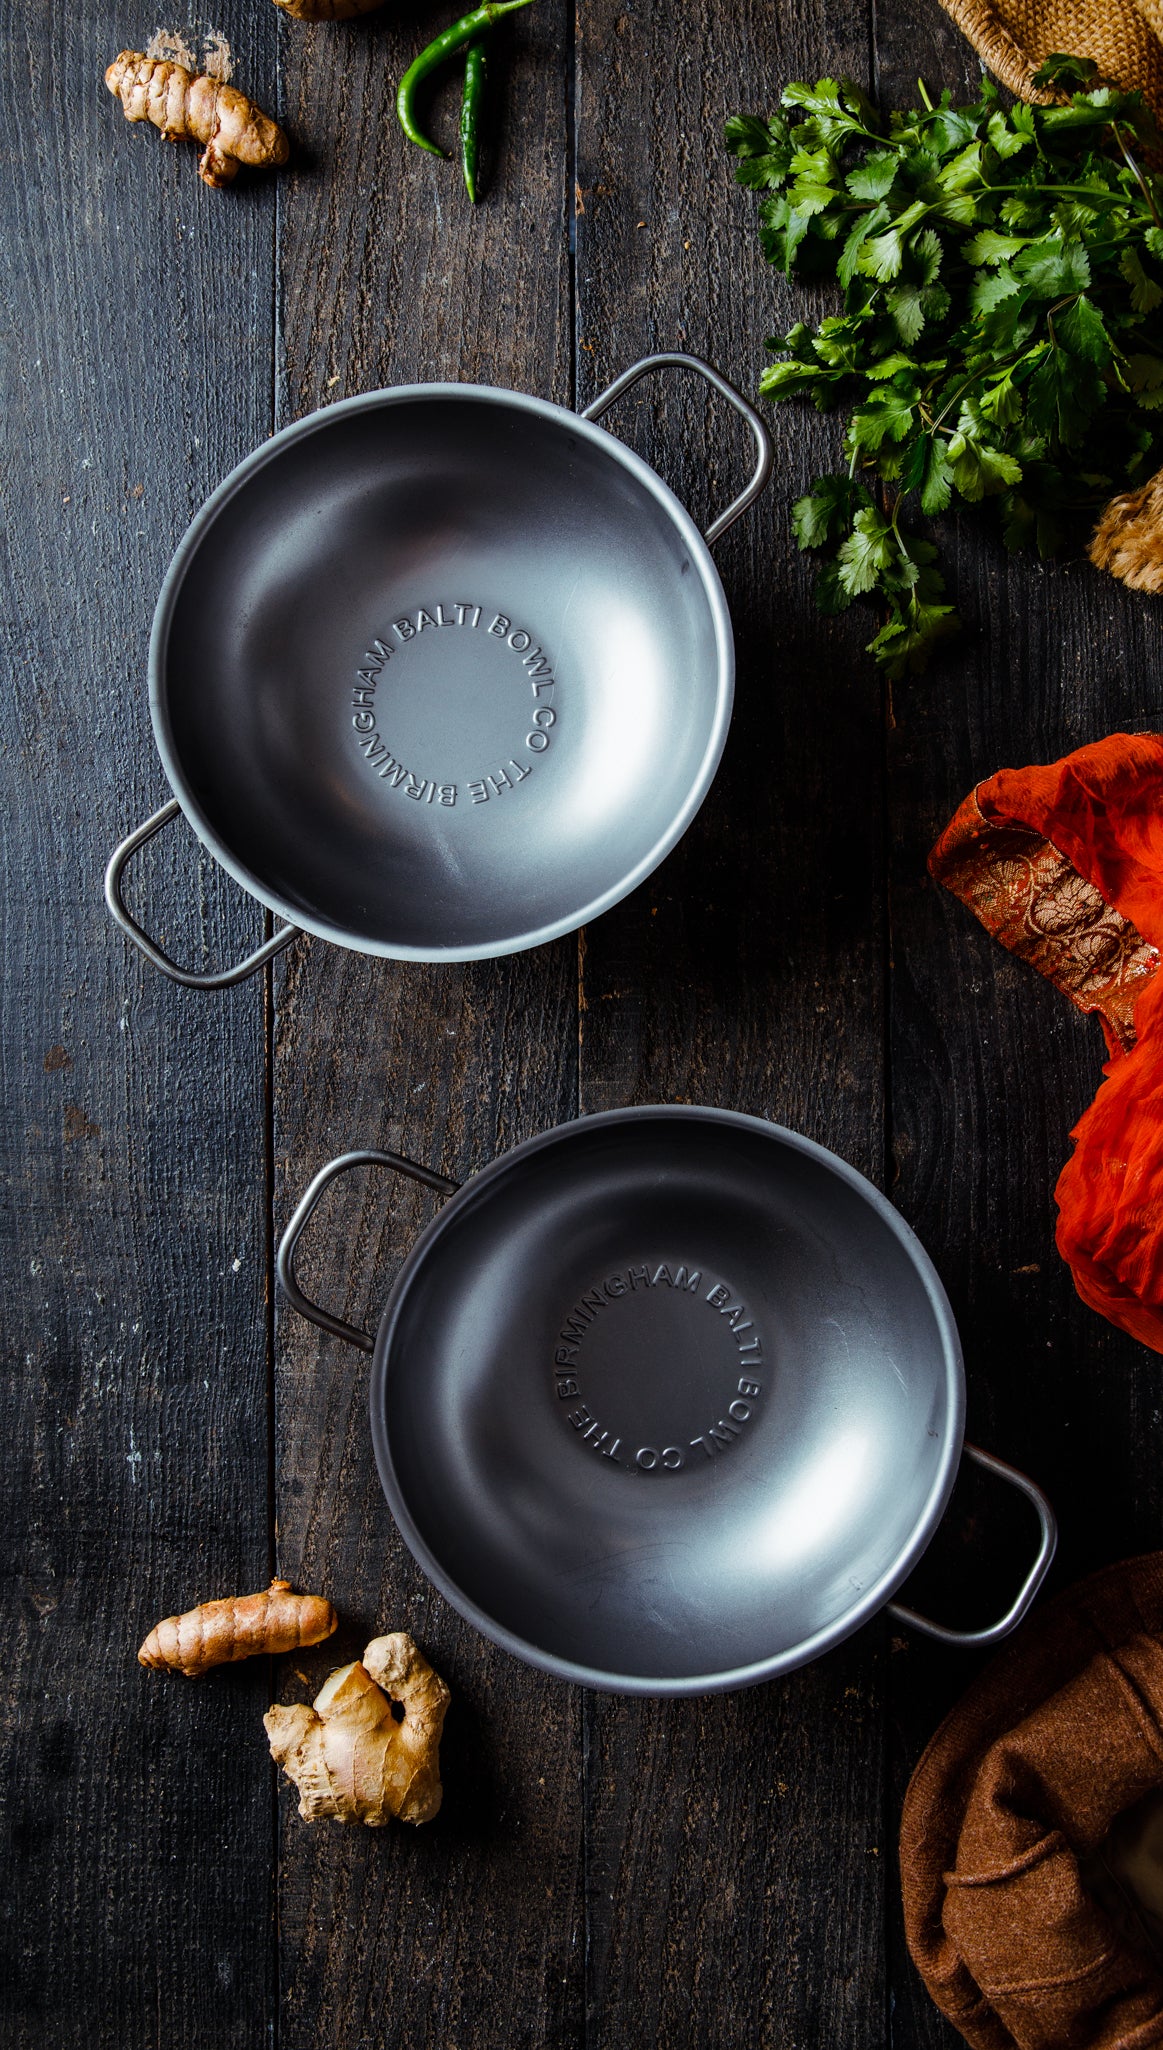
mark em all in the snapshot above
pixel 978 1639
pixel 676 360
pixel 225 978
pixel 285 1258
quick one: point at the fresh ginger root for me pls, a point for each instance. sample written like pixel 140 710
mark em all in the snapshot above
pixel 349 1757
pixel 217 1633
pixel 197 108
pixel 327 10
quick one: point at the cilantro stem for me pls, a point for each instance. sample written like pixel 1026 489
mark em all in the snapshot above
pixel 978 377
pixel 1086 192
pixel 1144 188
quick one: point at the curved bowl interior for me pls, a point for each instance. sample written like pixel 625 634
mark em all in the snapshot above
pixel 668 1402
pixel 444 674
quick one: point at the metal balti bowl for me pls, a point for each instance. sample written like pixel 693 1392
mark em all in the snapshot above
pixel 666 1401
pixel 441 672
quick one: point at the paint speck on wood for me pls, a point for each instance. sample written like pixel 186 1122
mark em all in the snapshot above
pixel 78 1124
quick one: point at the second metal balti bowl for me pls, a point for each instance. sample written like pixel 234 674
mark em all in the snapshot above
pixel 441 672
pixel 666 1400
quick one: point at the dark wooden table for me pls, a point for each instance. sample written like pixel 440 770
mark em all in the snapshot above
pixel 608 1873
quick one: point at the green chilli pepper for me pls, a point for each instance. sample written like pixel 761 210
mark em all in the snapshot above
pixel 475 72
pixel 446 45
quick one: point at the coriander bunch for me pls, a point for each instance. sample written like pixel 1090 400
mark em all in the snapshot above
pixel 1001 270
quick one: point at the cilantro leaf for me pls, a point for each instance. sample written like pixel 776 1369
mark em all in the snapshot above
pixel 1061 397
pixel 1001 404
pixel 979 471
pixel 887 412
pixel 875 176
pixel 865 226
pixel 1064 72
pixel 1050 267
pixel 883 255
pixel 866 552
pixel 824 99
pixel 962 171
pixel 1081 328
pixel 937 480
pixel 827 510
pixel 987 246
pixel 764 150
pixel 986 292
pixel 1146 292
pixel 887 366
pixel 830 593
pixel 909 636
pixel 785 380
pixel 1006 138
pixel 908 313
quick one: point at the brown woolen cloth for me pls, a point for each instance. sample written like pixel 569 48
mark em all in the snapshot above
pixel 1061 1735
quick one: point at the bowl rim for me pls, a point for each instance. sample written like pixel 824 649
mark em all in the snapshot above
pixel 870 1601
pixel 320 421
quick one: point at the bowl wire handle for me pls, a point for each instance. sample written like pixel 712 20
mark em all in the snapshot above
pixel 675 360
pixel 285 1260
pixel 186 976
pixel 978 1639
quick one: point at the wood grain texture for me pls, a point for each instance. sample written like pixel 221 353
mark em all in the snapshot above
pixel 604 1873
pixel 138 368
pixel 469 1930
pixel 723 1835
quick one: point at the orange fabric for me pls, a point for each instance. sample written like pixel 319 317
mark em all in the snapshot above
pixel 1064 864
pixel 1110 1192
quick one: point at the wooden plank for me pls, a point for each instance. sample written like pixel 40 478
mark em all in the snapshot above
pixel 134 1399
pixel 700 1856
pixel 991 1068
pixel 469 1929
pixel 726 1836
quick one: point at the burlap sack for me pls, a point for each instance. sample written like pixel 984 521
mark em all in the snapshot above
pixel 1013 37
pixel 1032 1835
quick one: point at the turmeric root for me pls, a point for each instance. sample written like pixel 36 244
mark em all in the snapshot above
pixel 200 109
pixel 217 1633
pixel 348 1755
pixel 1128 539
pixel 327 10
